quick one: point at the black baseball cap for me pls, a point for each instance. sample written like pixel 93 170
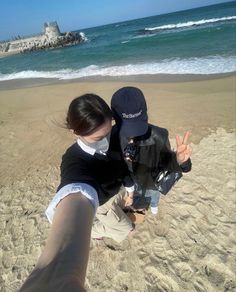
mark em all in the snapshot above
pixel 130 111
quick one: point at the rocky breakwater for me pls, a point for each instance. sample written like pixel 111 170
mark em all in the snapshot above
pixel 52 38
pixel 66 39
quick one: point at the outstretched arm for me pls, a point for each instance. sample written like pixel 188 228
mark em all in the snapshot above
pixel 63 263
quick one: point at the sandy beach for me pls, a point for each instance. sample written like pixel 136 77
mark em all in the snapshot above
pixel 189 246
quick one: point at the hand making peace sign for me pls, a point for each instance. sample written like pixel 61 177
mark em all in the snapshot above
pixel 183 150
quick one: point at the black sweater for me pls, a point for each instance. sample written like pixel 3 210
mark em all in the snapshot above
pixel 106 173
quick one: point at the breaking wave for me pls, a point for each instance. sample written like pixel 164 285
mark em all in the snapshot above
pixel 206 66
pixel 189 24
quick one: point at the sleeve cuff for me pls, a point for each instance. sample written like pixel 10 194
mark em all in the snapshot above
pixel 130 189
pixel 88 191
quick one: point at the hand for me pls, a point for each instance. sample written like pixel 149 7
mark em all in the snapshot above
pixel 129 199
pixel 184 150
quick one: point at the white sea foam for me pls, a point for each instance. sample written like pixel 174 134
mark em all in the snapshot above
pixel 190 23
pixel 210 65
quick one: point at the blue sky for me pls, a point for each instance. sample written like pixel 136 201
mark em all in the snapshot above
pixel 25 17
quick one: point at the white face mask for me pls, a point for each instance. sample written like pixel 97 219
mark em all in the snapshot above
pixel 101 145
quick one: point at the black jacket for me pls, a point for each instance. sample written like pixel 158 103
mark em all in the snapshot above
pixel 106 173
pixel 154 154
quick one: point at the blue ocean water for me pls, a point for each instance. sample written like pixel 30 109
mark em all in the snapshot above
pixel 196 41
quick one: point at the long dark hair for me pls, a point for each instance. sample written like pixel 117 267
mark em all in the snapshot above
pixel 86 113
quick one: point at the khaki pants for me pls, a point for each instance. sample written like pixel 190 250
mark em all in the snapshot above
pixel 111 221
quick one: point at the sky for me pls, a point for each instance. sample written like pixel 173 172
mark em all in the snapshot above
pixel 26 17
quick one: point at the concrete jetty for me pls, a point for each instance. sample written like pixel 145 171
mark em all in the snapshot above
pixel 50 38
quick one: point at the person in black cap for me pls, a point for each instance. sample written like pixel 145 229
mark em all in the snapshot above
pixel 146 147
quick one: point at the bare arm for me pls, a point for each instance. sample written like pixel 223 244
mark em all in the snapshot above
pixel 63 263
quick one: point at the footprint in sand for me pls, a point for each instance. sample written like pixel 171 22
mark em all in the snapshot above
pixel 161 228
pixel 217 272
pixel 174 239
pixel 201 286
pixel 157 281
pixel 184 271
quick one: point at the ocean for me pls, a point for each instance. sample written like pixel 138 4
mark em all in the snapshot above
pixel 196 41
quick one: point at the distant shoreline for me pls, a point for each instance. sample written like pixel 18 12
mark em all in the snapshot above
pixel 148 78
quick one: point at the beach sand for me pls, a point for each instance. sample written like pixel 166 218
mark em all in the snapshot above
pixel 188 246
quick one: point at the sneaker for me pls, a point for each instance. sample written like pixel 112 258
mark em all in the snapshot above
pixel 154 210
